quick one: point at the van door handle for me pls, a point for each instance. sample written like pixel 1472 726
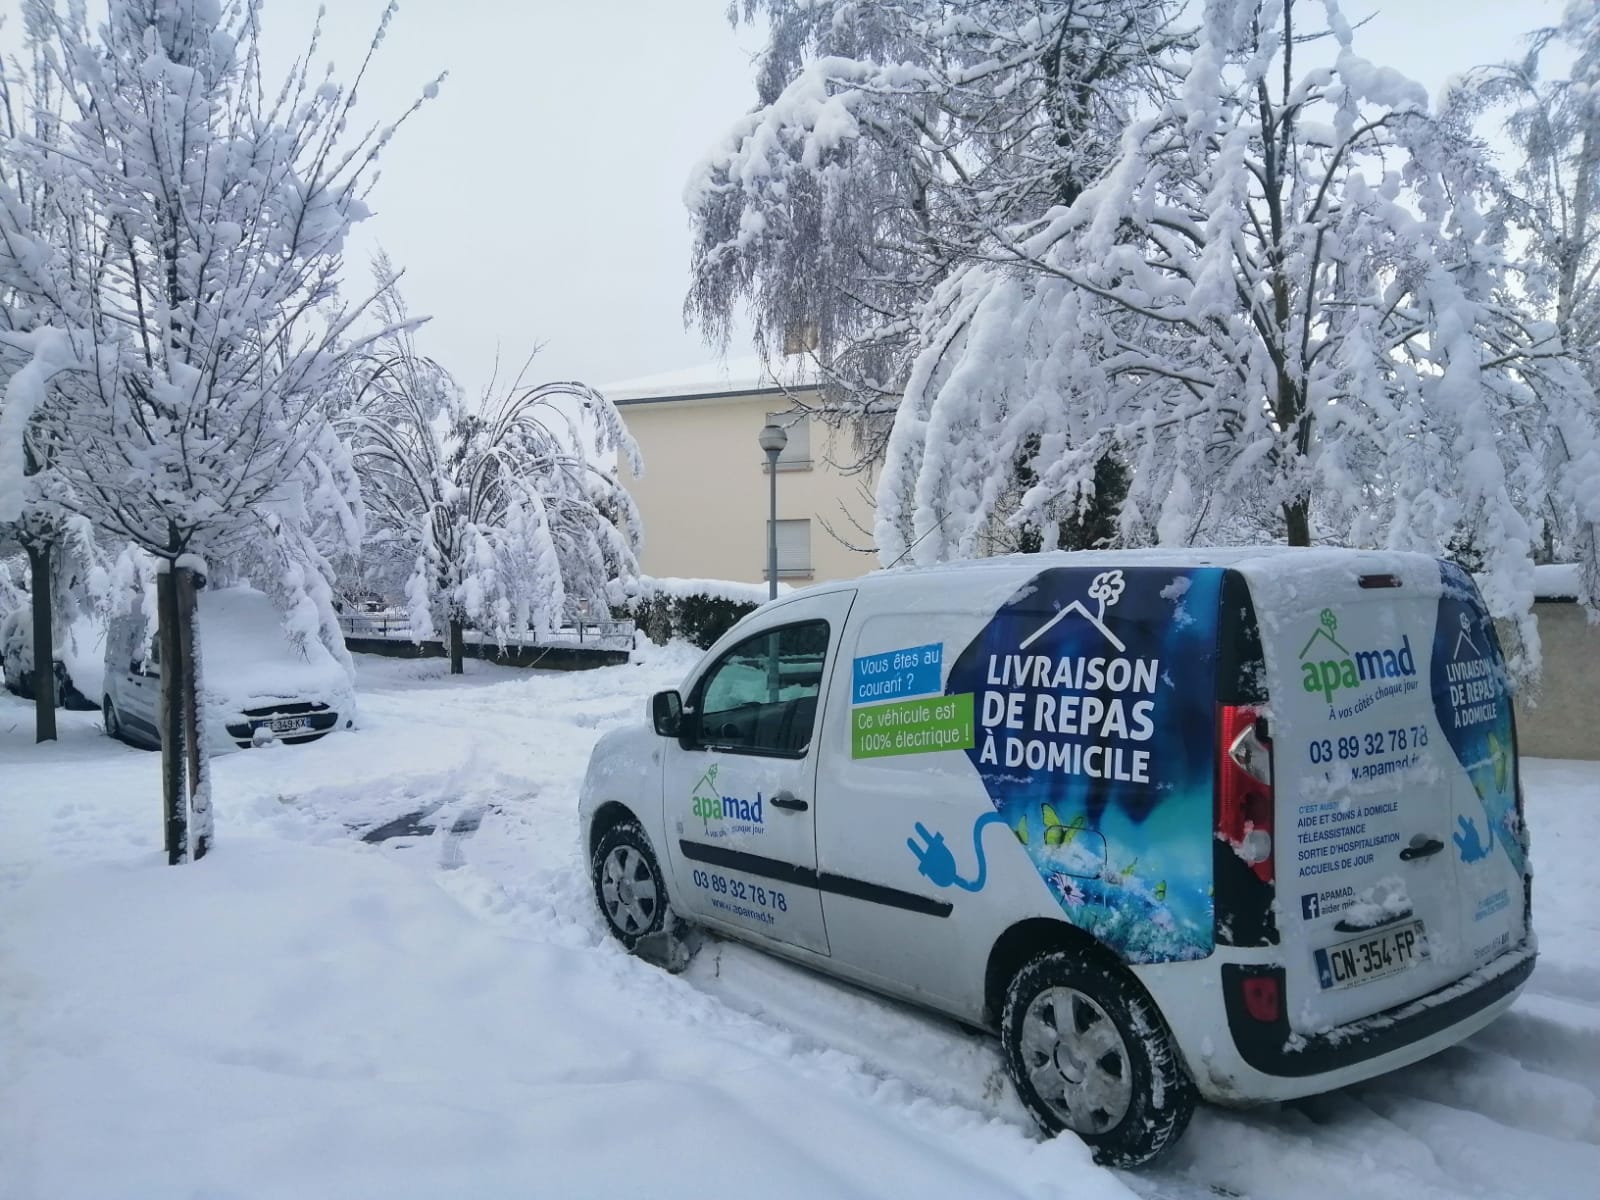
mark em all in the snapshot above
pixel 1421 847
pixel 789 802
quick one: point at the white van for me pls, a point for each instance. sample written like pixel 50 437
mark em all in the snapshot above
pixel 1241 824
pixel 259 686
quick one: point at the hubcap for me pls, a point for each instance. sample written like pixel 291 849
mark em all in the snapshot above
pixel 628 890
pixel 1076 1060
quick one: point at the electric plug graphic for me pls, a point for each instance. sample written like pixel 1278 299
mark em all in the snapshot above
pixel 938 864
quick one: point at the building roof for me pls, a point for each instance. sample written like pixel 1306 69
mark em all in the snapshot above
pixel 748 375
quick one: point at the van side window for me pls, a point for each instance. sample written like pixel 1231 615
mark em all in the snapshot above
pixel 761 696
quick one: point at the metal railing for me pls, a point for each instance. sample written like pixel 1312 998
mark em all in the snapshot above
pixel 396 626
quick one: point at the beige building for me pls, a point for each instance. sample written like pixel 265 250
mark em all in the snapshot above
pixel 703 494
pixel 1560 716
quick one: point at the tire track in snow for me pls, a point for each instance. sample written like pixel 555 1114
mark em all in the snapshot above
pixel 1388 1138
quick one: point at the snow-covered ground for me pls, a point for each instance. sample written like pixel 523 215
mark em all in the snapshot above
pixel 438 1012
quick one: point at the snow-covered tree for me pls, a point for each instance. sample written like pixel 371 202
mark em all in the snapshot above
pixel 1552 190
pixel 194 294
pixel 12 594
pixel 60 556
pixel 889 143
pixel 495 514
pixel 1282 307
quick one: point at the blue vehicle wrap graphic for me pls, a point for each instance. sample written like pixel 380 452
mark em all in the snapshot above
pixel 1095 695
pixel 1472 700
pixel 1468 842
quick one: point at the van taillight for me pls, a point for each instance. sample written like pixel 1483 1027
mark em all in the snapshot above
pixel 1263 998
pixel 1244 794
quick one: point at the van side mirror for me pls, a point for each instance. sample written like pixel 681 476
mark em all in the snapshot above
pixel 666 713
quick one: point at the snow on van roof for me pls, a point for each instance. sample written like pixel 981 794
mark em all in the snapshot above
pixel 1159 556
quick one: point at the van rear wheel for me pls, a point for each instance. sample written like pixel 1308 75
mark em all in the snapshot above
pixel 1088 1052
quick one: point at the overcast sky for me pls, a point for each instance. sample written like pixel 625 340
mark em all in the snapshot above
pixel 538 199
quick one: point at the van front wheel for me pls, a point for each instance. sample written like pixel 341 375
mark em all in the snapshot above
pixel 1088 1052
pixel 628 884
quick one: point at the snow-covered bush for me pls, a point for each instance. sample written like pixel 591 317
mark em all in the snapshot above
pixel 697 610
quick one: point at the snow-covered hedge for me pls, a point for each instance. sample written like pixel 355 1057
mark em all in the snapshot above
pixel 697 610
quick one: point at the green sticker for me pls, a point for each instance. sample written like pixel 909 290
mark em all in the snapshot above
pixel 912 727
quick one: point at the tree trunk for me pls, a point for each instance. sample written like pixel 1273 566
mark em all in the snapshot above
pixel 457 647
pixel 173 806
pixel 44 643
pixel 1297 513
pixel 193 715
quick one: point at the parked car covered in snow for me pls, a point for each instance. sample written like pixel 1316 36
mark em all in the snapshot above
pixel 258 684
pixel 16 663
pixel 1243 825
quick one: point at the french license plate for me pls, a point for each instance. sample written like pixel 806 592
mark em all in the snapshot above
pixel 287 724
pixel 1372 956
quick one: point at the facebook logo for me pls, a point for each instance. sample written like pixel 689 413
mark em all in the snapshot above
pixel 1310 906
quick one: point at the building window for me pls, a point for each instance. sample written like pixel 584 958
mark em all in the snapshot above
pixel 794 550
pixel 796 454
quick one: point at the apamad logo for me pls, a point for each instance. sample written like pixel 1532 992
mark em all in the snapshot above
pixel 1330 674
pixel 1105 589
pixel 709 805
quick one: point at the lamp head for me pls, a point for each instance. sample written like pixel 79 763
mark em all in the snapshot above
pixel 773 439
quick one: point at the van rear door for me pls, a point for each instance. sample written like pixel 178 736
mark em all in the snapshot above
pixel 1398 866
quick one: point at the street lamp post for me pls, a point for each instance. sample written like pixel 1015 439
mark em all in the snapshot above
pixel 773 439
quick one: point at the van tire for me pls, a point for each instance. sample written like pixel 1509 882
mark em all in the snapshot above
pixel 113 722
pixel 629 887
pixel 1136 1097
